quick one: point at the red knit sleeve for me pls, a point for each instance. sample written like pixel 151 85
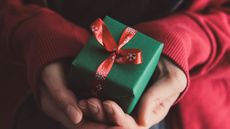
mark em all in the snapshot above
pixel 195 42
pixel 35 36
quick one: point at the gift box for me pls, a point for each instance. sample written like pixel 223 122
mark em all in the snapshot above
pixel 125 81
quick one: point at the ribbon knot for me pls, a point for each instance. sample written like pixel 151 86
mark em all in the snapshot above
pixel 118 55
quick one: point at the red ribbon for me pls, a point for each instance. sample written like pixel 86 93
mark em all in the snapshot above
pixel 118 55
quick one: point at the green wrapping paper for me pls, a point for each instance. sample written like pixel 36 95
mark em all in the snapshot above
pixel 126 82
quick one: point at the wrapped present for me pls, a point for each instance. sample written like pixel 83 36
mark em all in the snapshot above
pixel 116 64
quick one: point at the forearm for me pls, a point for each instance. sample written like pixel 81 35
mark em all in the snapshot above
pixel 11 16
pixel 194 42
pixel 34 36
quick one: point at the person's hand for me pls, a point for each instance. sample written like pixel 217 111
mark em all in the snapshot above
pixel 59 102
pixel 157 100
pixel 55 98
pixel 153 106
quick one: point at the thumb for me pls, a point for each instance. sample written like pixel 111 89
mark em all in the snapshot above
pixel 157 100
pixel 54 80
pixel 151 102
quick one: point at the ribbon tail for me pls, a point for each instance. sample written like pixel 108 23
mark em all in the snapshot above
pixel 102 72
pixel 105 67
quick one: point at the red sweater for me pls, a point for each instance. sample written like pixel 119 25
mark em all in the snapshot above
pixel 197 40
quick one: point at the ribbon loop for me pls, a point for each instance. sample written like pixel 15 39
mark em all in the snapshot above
pixel 105 67
pixel 126 36
pixel 103 36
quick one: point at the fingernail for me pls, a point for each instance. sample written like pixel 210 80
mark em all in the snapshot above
pixel 72 114
pixel 93 107
pixel 82 105
pixel 108 108
pixel 146 120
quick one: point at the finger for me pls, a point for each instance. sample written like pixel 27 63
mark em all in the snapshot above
pixel 54 79
pixel 93 108
pixel 58 115
pixel 50 108
pixel 116 115
pixel 83 105
pixel 96 110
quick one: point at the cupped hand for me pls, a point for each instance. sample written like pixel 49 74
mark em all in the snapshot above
pixel 60 103
pixel 152 107
pixel 157 100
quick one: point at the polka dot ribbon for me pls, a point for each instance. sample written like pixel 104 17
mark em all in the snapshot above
pixel 118 55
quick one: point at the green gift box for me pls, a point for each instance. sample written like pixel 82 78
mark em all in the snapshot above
pixel 125 83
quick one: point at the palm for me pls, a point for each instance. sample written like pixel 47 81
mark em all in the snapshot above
pixel 62 105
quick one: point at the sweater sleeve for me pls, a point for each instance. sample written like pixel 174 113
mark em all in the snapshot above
pixel 33 36
pixel 195 42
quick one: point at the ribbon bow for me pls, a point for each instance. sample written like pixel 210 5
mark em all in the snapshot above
pixel 118 55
